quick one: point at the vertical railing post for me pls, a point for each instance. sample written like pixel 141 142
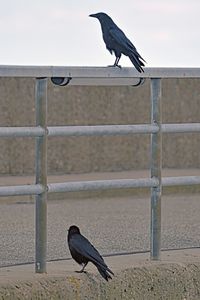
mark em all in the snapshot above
pixel 41 177
pixel 156 166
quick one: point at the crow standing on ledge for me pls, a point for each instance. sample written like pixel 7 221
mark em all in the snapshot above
pixel 83 251
pixel 117 42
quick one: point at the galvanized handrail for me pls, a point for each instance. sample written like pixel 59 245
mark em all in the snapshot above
pixel 93 130
pixel 96 76
pixel 27 189
pixel 83 75
pixel 77 186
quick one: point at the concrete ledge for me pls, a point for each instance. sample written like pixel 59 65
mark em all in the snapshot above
pixel 176 276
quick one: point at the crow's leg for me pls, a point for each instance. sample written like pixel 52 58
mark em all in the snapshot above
pixel 82 270
pixel 116 62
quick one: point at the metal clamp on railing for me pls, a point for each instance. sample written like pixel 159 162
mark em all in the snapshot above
pixel 61 81
pixel 141 82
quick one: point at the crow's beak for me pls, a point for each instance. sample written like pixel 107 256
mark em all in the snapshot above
pixel 93 15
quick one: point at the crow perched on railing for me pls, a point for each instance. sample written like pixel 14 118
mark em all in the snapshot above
pixel 83 251
pixel 117 42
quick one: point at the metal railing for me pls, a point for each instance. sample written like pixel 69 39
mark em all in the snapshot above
pixel 96 76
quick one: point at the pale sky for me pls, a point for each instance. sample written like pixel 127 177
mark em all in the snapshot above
pixel 46 32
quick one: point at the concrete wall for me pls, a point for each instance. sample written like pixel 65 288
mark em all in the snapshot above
pixel 98 105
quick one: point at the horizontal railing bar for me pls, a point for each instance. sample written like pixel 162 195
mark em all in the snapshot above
pixel 96 72
pixel 21 131
pixel 101 130
pixel 101 185
pixel 121 183
pixel 181 128
pixel 108 81
pixel 74 186
pixel 182 180
pixel 89 130
pixel 34 189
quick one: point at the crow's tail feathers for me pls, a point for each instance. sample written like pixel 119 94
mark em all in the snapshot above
pixel 136 62
pixel 104 272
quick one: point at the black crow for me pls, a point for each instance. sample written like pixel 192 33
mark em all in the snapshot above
pixel 82 251
pixel 117 42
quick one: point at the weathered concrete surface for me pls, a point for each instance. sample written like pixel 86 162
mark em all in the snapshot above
pixel 176 276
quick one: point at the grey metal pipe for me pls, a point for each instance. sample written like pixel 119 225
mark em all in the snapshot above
pixel 41 177
pixel 101 185
pixel 182 180
pixel 21 131
pixel 74 186
pixel 31 189
pixel 91 73
pixel 99 130
pixel 181 128
pixel 156 166
pixel 153 182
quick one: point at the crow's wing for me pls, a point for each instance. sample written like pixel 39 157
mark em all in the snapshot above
pixel 80 244
pixel 120 38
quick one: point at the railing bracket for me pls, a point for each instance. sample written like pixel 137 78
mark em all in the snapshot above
pixel 141 82
pixel 61 81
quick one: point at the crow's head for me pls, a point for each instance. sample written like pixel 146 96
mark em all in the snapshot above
pixel 102 17
pixel 73 229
